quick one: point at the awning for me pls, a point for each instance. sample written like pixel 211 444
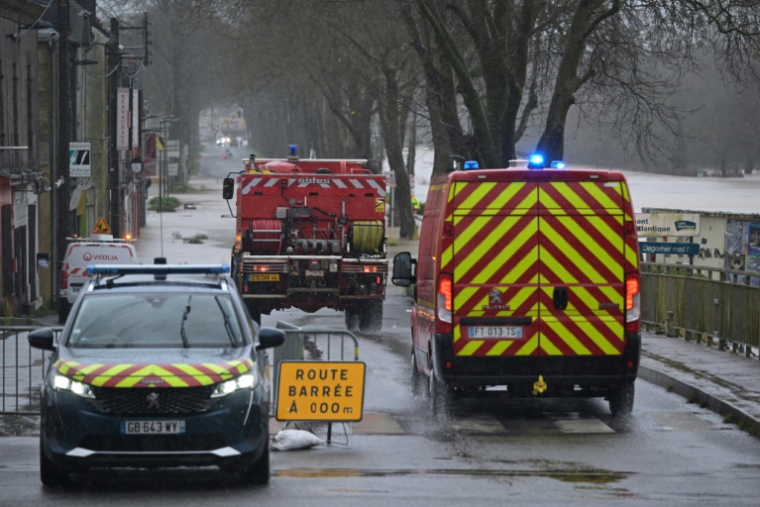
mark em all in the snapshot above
pixel 76 195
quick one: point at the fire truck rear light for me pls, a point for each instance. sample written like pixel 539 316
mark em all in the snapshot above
pixel 333 267
pixel 630 364
pixel 448 365
pixel 379 280
pixel 370 269
pixel 260 269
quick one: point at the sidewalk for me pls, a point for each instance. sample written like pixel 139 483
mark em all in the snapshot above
pixel 726 383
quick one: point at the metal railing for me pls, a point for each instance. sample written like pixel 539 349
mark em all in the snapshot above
pixel 23 369
pixel 699 303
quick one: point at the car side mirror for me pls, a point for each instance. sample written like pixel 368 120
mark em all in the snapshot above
pixel 43 338
pixel 270 337
pixel 403 270
pixel 228 188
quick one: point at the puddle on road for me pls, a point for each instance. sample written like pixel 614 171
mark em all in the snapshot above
pixel 573 476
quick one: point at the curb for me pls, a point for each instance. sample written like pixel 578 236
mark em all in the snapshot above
pixel 693 394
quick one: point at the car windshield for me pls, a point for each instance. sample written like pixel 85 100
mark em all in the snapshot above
pixel 156 321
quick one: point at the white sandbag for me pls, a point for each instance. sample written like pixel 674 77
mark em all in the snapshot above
pixel 288 440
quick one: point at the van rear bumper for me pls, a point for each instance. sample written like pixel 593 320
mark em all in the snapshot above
pixel 566 372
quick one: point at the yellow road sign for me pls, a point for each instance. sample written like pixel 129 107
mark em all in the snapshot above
pixel 101 227
pixel 320 391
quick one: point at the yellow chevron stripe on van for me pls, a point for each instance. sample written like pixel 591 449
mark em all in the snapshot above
pixel 498 226
pixel 602 253
pixel 580 261
pixel 497 260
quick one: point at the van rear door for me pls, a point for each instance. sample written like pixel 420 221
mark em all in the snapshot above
pixel 493 257
pixel 581 267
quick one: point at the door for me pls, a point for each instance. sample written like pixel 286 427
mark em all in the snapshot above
pixel 494 260
pixel 581 268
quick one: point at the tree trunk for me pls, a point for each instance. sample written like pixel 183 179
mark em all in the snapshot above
pixel 389 122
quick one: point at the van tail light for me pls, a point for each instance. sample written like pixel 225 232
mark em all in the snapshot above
pixel 632 303
pixel 444 302
pixel 64 279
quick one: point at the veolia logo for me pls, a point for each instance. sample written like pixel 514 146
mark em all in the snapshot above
pixel 87 256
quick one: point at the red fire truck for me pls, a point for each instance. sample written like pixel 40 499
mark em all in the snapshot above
pixel 310 235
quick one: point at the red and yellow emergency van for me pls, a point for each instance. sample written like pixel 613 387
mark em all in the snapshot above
pixel 529 279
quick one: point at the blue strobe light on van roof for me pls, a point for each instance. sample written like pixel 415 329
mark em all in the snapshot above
pixel 536 161
pixel 558 164
pixel 471 164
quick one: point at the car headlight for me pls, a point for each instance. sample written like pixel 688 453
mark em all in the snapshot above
pixel 62 383
pixel 246 381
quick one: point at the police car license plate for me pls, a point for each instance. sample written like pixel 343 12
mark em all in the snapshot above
pixel 268 277
pixel 508 332
pixel 152 427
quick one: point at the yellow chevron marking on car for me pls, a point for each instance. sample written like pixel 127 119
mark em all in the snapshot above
pixel 506 195
pixel 529 347
pixel 509 251
pixel 499 348
pixel 471 347
pixel 497 232
pixel 477 196
pixel 589 330
pixel 584 237
pixel 550 348
pixel 522 266
pixel 557 268
pixel 447 255
pixel 632 256
pixel 567 337
pixel 563 245
pixel 223 371
pixel 463 295
pixel 603 227
pixel 63 367
pixel 603 199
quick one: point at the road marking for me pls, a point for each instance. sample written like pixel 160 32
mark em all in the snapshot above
pixel 480 424
pixel 680 421
pixel 573 422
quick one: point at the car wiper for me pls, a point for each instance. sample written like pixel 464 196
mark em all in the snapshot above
pixel 227 324
pixel 182 325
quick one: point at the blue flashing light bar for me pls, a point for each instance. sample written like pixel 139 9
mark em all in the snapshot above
pixel 471 164
pixel 157 269
pixel 293 150
pixel 536 161
pixel 558 164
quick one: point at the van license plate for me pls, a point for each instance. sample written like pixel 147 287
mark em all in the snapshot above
pixel 269 277
pixel 152 427
pixel 508 332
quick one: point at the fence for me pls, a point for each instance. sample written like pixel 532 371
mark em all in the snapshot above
pixel 23 369
pixel 702 304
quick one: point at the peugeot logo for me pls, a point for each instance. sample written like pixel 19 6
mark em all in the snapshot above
pixel 152 399
pixel 494 297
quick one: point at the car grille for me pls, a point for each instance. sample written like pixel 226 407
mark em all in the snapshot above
pixel 141 401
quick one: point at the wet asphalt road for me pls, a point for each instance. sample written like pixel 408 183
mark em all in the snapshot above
pixel 528 452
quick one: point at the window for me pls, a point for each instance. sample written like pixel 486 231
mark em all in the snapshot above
pixel 156 320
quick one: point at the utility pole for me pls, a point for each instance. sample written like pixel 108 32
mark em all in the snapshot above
pixel 114 171
pixel 64 134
